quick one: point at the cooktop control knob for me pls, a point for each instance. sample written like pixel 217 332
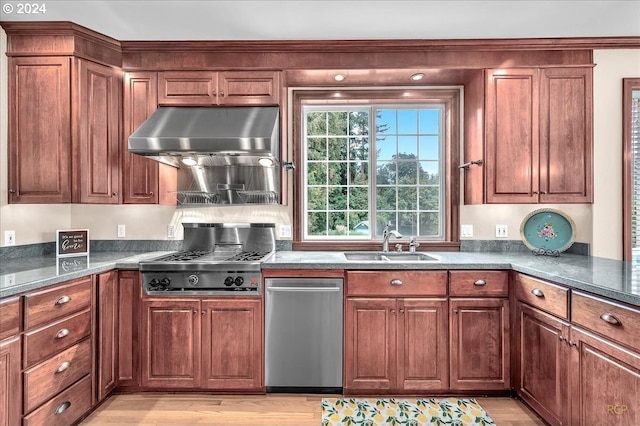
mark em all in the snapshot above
pixel 193 279
pixel 228 281
pixel 239 281
pixel 165 282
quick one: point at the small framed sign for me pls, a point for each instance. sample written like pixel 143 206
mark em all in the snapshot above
pixel 72 242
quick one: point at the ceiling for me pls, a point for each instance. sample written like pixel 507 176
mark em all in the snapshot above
pixel 340 19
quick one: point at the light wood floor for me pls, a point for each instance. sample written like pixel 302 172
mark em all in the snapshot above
pixel 270 409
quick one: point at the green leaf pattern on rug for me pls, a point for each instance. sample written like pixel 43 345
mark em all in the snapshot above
pixel 403 412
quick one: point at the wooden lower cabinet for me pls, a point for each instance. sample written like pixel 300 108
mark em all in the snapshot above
pixel 543 363
pixel 396 344
pixel 202 344
pixel 605 382
pixel 479 344
pixel 10 382
pixel 107 354
pixel 128 344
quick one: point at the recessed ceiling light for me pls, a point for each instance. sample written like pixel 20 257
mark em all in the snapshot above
pixel 338 77
pixel 417 76
pixel 188 161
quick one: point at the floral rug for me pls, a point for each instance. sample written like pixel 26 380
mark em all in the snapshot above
pixel 405 412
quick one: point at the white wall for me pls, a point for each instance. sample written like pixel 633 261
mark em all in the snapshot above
pixel 611 67
pixel 599 224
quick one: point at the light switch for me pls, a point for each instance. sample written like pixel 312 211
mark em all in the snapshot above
pixel 121 231
pixel 466 231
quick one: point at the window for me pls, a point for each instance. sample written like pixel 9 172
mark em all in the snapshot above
pixel 631 179
pixel 371 158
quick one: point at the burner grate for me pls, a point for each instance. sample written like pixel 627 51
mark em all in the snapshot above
pixel 248 256
pixel 183 256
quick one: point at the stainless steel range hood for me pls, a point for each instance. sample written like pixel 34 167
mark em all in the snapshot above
pixel 209 135
pixel 223 155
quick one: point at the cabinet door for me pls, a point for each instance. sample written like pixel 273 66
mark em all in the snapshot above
pixel 511 136
pixel 171 343
pixel 479 344
pixel 422 336
pixel 145 181
pixel 40 130
pixel 107 333
pixel 566 146
pixel 187 88
pixel 10 382
pixel 370 344
pixel 249 88
pixel 606 382
pixel 543 364
pixel 96 162
pixel 129 288
pixel 232 344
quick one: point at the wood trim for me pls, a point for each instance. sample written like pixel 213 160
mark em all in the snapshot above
pixel 628 85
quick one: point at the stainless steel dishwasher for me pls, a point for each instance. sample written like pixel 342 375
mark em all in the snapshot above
pixel 303 335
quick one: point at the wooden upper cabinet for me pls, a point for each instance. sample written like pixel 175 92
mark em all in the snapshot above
pixel 538 135
pixel 145 181
pixel 96 163
pixel 40 129
pixel 511 136
pixel 566 135
pixel 218 88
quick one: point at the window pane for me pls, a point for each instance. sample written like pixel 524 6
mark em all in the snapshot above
pixel 407 122
pixel 407 161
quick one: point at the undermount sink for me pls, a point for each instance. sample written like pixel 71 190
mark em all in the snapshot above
pixel 368 256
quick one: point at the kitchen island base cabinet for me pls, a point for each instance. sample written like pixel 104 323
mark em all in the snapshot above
pixel 202 344
pixel 396 345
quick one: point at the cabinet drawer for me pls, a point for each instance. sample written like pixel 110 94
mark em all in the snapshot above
pixel 44 342
pixel 9 317
pixel 612 320
pixel 64 409
pixel 50 377
pixel 543 295
pixel 479 283
pixel 401 283
pixel 48 305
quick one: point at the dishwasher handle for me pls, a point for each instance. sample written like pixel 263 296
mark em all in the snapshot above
pixel 323 289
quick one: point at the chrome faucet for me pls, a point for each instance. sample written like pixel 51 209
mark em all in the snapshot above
pixel 385 236
pixel 413 244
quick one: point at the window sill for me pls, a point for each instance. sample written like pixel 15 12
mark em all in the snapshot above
pixel 372 245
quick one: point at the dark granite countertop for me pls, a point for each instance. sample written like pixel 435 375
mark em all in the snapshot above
pixel 606 277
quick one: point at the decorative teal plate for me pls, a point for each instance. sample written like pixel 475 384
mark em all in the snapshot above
pixel 547 230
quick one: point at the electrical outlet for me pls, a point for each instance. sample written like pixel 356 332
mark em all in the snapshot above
pixel 9 238
pixel 9 279
pixel 121 231
pixel 171 231
pixel 466 231
pixel 501 231
pixel 285 231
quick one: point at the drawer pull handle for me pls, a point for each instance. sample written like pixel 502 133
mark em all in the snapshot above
pixel 611 319
pixel 537 292
pixel 62 333
pixel 480 283
pixel 62 408
pixel 62 300
pixel 396 281
pixel 63 367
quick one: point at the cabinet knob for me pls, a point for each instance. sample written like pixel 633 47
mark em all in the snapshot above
pixel 115 193
pixel 396 281
pixel 195 312
pixel 62 408
pixel 480 283
pixel 561 338
pixel 402 311
pixel 203 312
pixel 611 319
pixel 393 311
pixel 537 292
pixel 63 367
pixel 12 191
pixel 64 332
pixel 62 300
pixel 221 94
